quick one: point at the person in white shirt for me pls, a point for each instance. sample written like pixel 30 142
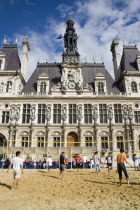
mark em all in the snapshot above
pixel 49 164
pixel 84 161
pixel 97 162
pixel 91 163
pixel 17 164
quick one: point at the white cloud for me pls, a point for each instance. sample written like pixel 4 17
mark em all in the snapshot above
pixel 97 22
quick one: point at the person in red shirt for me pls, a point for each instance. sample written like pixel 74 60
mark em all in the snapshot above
pixel 78 161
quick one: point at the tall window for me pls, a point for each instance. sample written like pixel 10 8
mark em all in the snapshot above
pixel 104 142
pixel 41 141
pixel 5 117
pixel 0 63
pixel 100 87
pixel 41 113
pixel 72 113
pixel 88 113
pixel 56 141
pixel 118 113
pixel 134 87
pixel 26 113
pixel 88 141
pixel 43 87
pixel 56 113
pixel 9 87
pixel 137 116
pixel 103 113
pixel 120 144
pixel 25 141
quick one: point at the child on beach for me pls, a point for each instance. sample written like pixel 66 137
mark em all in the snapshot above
pixel 109 161
pixel 136 161
pixel 97 162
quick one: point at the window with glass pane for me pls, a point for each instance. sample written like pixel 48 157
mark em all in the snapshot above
pixel 72 113
pixel 120 144
pixel 134 87
pixel 56 113
pixel 100 87
pixel 43 87
pixel 41 141
pixel 118 113
pixel 88 141
pixel 41 113
pixel 137 116
pixel 26 113
pixel 56 141
pixel 88 113
pixel 9 86
pixel 5 117
pixel 103 113
pixel 104 142
pixel 25 141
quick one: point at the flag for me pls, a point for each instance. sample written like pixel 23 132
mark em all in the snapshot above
pixel 60 36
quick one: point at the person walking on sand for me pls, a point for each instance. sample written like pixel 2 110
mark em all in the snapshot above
pixel 97 162
pixel 109 161
pixel 49 164
pixel 136 161
pixel 78 161
pixel 17 164
pixel 62 165
pixel 121 158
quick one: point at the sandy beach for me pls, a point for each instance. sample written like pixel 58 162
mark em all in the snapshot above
pixel 83 190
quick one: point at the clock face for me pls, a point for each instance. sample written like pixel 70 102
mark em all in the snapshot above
pixel 72 85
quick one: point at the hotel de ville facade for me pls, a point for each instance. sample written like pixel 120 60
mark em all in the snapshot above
pixel 70 106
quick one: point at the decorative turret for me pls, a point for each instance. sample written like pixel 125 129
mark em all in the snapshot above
pixel 70 43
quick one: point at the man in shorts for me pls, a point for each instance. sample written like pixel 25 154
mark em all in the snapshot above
pixel 49 164
pixel 62 165
pixel 109 161
pixel 97 162
pixel 121 158
pixel 78 162
pixel 17 164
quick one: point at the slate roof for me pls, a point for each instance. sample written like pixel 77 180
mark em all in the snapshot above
pixel 128 60
pixel 54 71
pixel 12 58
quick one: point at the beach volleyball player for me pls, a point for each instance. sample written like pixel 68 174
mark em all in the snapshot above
pixel 17 164
pixel 62 165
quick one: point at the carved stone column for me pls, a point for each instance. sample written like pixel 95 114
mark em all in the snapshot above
pixel 95 117
pixel 64 117
pixel 131 116
pixel 126 128
pixel 32 116
pixel 48 117
pixel 110 117
pixel 79 117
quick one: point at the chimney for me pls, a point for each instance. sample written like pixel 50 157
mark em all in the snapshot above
pixel 116 58
pixel 24 57
pixel 138 61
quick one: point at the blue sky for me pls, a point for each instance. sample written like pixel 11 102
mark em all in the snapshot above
pixel 97 22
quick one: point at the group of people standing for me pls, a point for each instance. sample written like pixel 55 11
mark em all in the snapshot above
pixel 17 164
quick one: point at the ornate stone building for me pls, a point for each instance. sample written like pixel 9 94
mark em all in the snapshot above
pixel 71 106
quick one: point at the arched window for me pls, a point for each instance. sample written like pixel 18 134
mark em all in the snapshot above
pixel 100 87
pixel 134 87
pixel 9 87
pixel 43 87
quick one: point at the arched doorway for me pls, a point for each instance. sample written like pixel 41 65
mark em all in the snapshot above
pixel 3 142
pixel 72 139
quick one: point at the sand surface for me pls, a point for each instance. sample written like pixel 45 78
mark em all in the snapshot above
pixel 78 191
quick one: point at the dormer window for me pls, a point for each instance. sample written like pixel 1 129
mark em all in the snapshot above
pixel 2 60
pixel 134 87
pixel 43 83
pixel 9 87
pixel 100 87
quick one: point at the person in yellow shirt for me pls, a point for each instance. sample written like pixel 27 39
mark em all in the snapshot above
pixel 121 158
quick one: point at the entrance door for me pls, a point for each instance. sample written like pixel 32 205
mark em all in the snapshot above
pixel 72 139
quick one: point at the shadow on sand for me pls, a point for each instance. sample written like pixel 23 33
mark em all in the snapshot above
pixel 5 185
pixel 55 177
